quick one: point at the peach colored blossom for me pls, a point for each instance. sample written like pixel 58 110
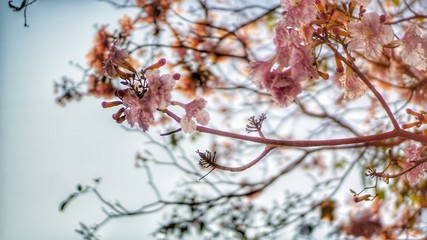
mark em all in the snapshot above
pixel 354 88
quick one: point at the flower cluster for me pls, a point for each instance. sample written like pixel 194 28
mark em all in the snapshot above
pixel 282 75
pixel 147 93
pixel 307 24
pixel 139 109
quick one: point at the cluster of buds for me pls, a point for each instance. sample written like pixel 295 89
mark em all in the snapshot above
pixel 420 117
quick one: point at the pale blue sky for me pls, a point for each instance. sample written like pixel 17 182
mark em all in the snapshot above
pixel 46 149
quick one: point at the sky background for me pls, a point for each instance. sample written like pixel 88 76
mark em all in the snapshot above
pixel 46 149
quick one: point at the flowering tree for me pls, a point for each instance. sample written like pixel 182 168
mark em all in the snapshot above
pixel 270 93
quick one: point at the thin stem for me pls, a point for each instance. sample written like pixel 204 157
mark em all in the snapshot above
pixel 246 166
pixel 385 175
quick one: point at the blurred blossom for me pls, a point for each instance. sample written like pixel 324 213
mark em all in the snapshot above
pixel 354 88
pixel 369 35
pixel 283 88
pixel 415 48
pixel 294 53
pixel 298 12
pixel 115 58
pixel 364 223
pixel 413 153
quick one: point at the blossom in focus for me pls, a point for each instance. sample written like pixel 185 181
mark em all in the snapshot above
pixel 160 88
pixel 364 223
pixel 369 35
pixel 194 109
pixel 137 110
pixel 413 153
pixel 353 86
pixel 146 95
pixel 415 48
pixel 298 12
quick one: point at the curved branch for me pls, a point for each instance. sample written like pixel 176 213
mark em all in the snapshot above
pixel 368 139
pixel 246 166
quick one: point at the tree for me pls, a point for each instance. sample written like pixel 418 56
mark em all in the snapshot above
pixel 275 92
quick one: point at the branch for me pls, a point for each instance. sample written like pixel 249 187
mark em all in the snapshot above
pixel 375 138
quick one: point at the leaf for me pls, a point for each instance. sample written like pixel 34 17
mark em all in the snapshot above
pixel 380 194
pixel 340 164
pixel 66 201
pixel 327 209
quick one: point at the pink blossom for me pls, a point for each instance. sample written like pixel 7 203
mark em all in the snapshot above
pixel 137 110
pixel 293 52
pixel 353 86
pixel 413 153
pixel 160 88
pixel 364 223
pixel 369 35
pixel 188 125
pixel 115 58
pixel 298 12
pixel 258 70
pixel 415 48
pixel 194 109
pixel 283 88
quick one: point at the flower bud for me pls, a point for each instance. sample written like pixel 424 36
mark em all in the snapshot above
pixel 176 76
pixel 382 18
pixel 111 104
